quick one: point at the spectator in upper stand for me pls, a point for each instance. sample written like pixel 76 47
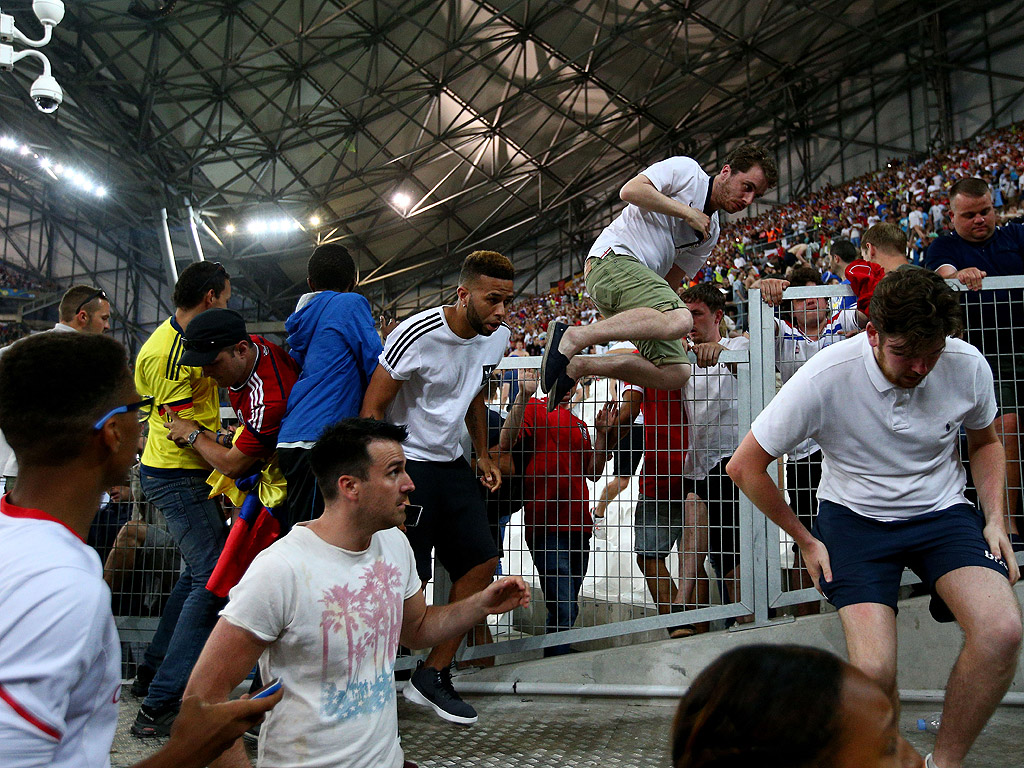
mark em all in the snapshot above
pixel 918 234
pixel 842 252
pixel 332 336
pixel 976 249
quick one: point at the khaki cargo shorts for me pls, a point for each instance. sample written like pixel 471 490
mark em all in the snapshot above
pixel 617 282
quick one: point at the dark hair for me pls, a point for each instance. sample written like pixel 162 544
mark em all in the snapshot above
pixel 331 268
pixel 799 276
pixel 706 293
pixel 486 264
pixel 53 388
pixel 916 305
pixel 773 706
pixel 887 237
pixel 844 250
pixel 343 449
pixel 971 187
pixel 747 156
pixel 72 301
pixel 196 280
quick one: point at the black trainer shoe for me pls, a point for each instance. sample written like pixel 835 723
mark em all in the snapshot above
pixel 429 687
pixel 143 677
pixel 154 722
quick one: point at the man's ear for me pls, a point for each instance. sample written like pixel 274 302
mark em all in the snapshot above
pixel 112 436
pixel 348 487
pixel 463 293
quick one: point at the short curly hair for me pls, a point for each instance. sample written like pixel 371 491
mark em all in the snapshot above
pixel 916 305
pixel 486 264
pixel 745 157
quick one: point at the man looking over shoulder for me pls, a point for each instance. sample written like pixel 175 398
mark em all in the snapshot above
pixel 60 656
pixel 433 376
pixel 665 233
pixel 892 493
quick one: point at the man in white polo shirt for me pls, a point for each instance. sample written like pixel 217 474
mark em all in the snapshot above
pixel 886 407
pixel 432 377
pixel 664 234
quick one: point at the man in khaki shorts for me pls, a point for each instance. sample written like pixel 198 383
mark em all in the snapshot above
pixel 664 234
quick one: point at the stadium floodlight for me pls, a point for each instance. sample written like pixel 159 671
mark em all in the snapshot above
pixel 402 201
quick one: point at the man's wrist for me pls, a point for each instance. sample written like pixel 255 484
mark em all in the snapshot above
pixel 194 435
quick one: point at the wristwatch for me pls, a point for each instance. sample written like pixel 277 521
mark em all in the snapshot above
pixel 193 436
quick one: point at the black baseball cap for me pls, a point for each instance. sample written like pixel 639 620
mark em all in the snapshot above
pixel 208 333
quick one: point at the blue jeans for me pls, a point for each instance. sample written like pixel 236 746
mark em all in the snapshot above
pixel 195 523
pixel 561 559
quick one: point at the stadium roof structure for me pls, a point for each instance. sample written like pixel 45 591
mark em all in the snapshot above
pixel 418 131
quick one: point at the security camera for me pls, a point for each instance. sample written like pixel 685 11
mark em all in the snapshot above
pixel 47 93
pixel 48 12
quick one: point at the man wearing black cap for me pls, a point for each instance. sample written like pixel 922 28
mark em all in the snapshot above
pixel 258 376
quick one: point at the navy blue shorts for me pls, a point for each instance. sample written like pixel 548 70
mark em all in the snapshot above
pixel 868 556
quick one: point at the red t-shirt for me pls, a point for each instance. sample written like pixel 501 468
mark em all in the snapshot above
pixel 261 401
pixel 665 441
pixel 554 481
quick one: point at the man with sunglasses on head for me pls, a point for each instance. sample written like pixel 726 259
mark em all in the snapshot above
pixel 83 308
pixel 663 236
pixel 60 658
pixel 174 480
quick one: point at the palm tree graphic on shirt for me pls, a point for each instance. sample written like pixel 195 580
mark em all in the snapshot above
pixel 356 674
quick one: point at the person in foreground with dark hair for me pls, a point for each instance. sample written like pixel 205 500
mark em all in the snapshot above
pixel 432 376
pixel 786 706
pixel 174 480
pixel 664 234
pixel 324 609
pixel 886 407
pixel 332 337
pixel 60 656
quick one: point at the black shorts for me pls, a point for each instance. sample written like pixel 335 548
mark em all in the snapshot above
pixel 454 520
pixel 304 501
pixel 628 451
pixel 868 556
pixel 722 500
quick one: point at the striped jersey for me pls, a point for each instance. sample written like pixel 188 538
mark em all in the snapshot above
pixel 442 373
pixel 261 400
pixel 175 387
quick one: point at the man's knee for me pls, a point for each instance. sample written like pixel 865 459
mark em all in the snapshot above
pixel 648 565
pixel 999 637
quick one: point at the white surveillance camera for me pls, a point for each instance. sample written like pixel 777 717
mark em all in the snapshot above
pixel 47 93
pixel 48 12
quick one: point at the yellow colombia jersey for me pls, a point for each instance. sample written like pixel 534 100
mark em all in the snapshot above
pixel 175 387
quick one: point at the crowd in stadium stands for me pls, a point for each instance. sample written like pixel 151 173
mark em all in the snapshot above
pixel 12 279
pixel 317 456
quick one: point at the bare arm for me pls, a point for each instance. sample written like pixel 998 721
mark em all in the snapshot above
pixel 641 192
pixel 425 626
pixel 675 277
pixel 476 423
pixel 748 468
pixel 988 467
pixel 382 391
pixel 514 421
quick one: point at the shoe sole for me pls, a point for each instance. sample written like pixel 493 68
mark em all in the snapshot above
pixel 150 732
pixel 412 694
pixel 549 343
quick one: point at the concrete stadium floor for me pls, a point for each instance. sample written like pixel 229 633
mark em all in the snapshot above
pixel 559 731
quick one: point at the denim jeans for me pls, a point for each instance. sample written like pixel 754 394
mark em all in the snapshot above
pixel 561 559
pixel 195 523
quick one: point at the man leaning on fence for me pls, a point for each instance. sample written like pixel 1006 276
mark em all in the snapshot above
pixel 886 408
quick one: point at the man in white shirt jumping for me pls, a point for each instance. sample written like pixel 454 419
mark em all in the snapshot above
pixel 665 234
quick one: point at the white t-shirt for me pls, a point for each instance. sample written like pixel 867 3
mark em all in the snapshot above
pixel 333 619
pixel 657 240
pixel 915 219
pixel 442 374
pixel 60 658
pixel 793 349
pixel 712 413
pixel 889 453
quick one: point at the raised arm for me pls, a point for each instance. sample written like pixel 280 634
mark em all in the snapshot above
pixel 425 626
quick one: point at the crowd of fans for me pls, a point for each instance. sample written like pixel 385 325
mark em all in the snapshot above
pixel 317 455
pixel 12 279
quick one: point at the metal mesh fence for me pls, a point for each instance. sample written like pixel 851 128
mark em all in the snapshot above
pixel 616 508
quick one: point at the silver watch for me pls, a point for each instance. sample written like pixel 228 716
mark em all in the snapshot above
pixel 193 436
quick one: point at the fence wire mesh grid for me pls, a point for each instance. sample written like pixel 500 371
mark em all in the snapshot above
pixel 616 507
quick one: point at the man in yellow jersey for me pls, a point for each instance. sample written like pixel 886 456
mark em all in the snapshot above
pixel 174 479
